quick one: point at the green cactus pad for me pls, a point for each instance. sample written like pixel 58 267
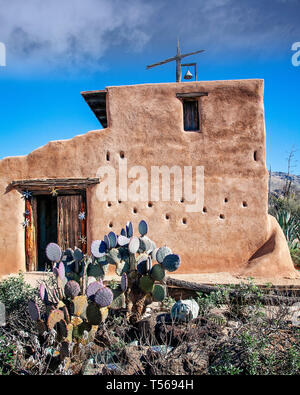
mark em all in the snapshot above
pixel 113 240
pixel 118 301
pixel 72 289
pixel 77 254
pixel 142 266
pixel 146 284
pixel 143 228
pixel 148 244
pixel 158 272
pixel 93 314
pixel 143 246
pixel 129 229
pixel 95 270
pixel 162 253
pixel 158 293
pixel 171 262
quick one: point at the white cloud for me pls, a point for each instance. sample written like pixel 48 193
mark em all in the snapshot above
pixel 70 32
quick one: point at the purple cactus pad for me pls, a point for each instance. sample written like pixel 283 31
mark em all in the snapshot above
pixel 104 297
pixel 93 288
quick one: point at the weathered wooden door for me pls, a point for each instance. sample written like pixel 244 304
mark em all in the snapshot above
pixel 71 230
pixel 53 219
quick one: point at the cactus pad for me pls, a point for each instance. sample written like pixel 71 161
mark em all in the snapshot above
pixel 95 249
pixel 129 229
pixel 93 314
pixel 162 253
pixel 171 262
pixel 124 282
pixel 113 240
pixel 113 256
pixel 33 310
pixel 54 317
pixel 104 297
pixel 44 293
pixel 93 288
pixel 158 272
pixel 158 293
pixel 72 289
pixel 134 245
pixel 146 284
pixel 61 271
pixel 53 252
pixel 143 228
pixel 77 254
pixel 79 305
pixel 90 280
pixel 123 240
pixel 119 301
pixel 142 266
pixel 107 242
pixel 95 270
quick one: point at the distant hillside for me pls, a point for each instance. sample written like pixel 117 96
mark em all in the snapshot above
pixel 278 181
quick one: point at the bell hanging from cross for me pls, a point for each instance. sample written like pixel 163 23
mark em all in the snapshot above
pixel 188 75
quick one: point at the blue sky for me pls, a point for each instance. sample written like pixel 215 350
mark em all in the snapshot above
pixel 57 49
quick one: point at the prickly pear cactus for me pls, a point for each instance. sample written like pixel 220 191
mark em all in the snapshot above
pixel 80 301
pixel 134 258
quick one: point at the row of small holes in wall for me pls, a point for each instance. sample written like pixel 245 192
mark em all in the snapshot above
pixel 122 155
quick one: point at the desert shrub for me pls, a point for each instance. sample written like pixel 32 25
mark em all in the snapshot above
pixel 214 299
pixel 291 205
pixel 15 293
pixel 295 255
pixel 6 356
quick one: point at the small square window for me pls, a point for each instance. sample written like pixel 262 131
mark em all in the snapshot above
pixel 191 115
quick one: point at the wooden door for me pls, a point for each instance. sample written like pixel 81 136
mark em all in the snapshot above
pixel 71 230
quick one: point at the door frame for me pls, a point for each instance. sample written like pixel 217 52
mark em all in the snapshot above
pixel 45 186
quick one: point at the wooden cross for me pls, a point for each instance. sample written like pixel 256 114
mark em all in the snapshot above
pixel 178 58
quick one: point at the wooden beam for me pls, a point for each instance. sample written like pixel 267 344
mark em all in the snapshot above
pixel 191 94
pixel 60 183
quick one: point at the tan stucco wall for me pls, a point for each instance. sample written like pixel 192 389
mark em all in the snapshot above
pixel 146 123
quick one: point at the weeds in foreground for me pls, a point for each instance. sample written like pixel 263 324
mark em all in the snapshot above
pixel 231 336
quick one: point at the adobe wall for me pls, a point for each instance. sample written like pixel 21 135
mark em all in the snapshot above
pixel 146 123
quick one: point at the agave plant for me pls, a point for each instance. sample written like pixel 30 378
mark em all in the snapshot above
pixel 290 225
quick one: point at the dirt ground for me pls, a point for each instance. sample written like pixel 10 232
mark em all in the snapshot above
pixel 202 278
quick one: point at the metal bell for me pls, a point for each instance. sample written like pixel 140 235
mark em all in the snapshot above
pixel 188 75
